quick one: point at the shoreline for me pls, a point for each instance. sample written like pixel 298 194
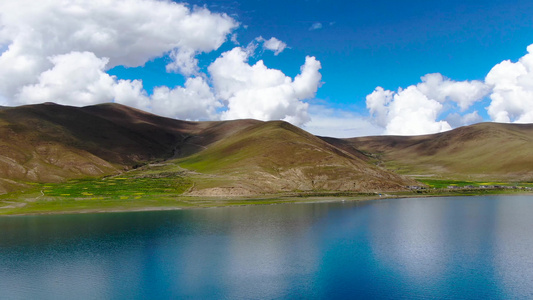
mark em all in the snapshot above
pixel 224 202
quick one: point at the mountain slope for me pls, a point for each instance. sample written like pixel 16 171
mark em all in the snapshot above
pixel 480 151
pixel 51 143
pixel 277 156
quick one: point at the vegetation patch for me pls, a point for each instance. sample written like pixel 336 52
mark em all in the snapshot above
pixel 112 188
pixel 448 183
pixel 131 190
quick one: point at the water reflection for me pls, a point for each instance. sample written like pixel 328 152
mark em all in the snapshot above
pixel 475 247
pixel 440 247
pixel 513 261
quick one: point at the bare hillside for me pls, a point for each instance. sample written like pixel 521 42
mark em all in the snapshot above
pixel 480 151
pixel 53 143
pixel 277 156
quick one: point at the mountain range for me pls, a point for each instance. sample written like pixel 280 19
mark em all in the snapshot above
pixel 53 143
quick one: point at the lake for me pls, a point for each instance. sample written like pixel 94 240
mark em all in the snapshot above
pixel 447 248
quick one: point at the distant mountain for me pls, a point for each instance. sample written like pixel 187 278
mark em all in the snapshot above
pixel 52 143
pixel 485 151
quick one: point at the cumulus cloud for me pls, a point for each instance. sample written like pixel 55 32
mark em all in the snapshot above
pixel 255 91
pixel 38 36
pixel 512 84
pixel 407 112
pixel 416 109
pixel 273 44
pixel 184 61
pixel 130 93
pixel 60 51
pixel 378 105
pixel 463 93
pixel 75 78
pixel 78 78
pixel 194 101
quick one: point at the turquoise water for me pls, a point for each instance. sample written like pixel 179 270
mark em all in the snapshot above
pixel 445 248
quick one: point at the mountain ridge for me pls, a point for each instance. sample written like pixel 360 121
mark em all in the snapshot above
pixel 54 143
pixel 288 158
pixel 481 151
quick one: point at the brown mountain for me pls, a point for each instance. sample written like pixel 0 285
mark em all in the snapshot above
pixel 52 143
pixel 482 151
pixel 274 156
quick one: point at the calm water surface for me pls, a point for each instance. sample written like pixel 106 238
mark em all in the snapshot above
pixel 456 248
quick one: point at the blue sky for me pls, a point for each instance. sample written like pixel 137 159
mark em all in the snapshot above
pixel 362 45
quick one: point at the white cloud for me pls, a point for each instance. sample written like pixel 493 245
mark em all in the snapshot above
pixel 195 101
pixel 124 32
pixel 413 113
pixel 255 91
pixel 60 51
pixel 378 105
pixel 273 44
pixel 457 120
pixel 512 96
pixel 339 123
pixel 76 78
pixel 307 82
pixel 416 109
pixel 316 26
pixel 183 61
pixel 464 93
pixel 131 93
pixel 234 39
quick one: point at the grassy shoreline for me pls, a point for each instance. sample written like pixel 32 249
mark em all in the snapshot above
pixel 63 205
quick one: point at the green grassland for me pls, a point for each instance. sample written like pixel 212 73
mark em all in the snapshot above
pixel 153 187
pixel 445 183
pixel 163 187
pixel 131 190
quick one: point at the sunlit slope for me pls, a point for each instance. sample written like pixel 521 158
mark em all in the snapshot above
pixel 277 156
pixel 484 151
pixel 53 143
